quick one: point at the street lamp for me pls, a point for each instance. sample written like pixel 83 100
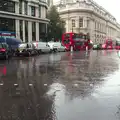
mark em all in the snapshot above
pixel 79 24
pixel 68 21
pixel 72 28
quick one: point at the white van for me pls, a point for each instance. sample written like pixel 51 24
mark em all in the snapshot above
pixel 56 46
pixel 42 47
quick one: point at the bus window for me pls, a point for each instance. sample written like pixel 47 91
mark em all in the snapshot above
pixel 67 36
pixel 66 41
pixel 109 42
pixel 78 36
pixel 117 43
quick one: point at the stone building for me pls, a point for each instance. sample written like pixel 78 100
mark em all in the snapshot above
pixel 50 2
pixel 27 18
pixel 88 17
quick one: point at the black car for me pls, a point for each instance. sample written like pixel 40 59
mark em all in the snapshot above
pixel 26 49
pixel 5 51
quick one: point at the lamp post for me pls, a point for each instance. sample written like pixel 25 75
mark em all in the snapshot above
pixel 72 28
pixel 79 24
pixel 68 21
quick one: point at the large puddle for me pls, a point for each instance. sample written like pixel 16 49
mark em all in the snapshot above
pixel 62 86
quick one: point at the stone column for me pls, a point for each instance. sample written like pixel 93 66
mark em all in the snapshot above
pixel 16 7
pixel 29 10
pixel 17 25
pixel 91 29
pixel 85 22
pixel 37 31
pixel 77 25
pixel 67 26
pixel 42 13
pixel 23 31
pixel 23 7
pixel 30 31
pixel 37 11
pixel 46 27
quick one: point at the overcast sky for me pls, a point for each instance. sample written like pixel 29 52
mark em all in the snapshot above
pixel 113 6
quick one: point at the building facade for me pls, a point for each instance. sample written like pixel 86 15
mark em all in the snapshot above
pixel 86 16
pixel 27 18
pixel 50 3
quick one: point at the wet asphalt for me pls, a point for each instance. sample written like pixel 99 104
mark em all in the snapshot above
pixel 61 86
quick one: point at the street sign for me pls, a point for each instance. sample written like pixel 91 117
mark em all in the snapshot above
pixel 7 34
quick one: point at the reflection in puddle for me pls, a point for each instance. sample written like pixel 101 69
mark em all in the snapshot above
pixel 62 86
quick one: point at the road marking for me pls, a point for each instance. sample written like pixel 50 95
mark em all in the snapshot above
pixel 15 84
pixel 45 84
pixel 30 84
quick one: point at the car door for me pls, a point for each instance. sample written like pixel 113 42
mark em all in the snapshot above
pixel 7 49
pixel 34 49
pixel 29 47
pixel 44 47
pixel 47 48
pixel 62 48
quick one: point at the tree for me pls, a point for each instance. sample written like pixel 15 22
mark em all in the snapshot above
pixel 56 25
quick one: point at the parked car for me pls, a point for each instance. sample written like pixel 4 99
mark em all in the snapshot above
pixel 55 46
pixel 62 48
pixel 5 51
pixel 117 44
pixel 97 47
pixel 42 47
pixel 13 43
pixel 26 49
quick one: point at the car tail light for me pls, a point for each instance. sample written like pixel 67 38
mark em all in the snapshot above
pixel 2 50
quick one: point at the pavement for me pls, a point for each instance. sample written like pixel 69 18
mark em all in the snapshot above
pixel 61 86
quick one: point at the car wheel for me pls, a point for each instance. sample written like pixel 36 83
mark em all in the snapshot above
pixel 29 54
pixel 17 55
pixel 51 50
pixel 39 52
pixel 56 50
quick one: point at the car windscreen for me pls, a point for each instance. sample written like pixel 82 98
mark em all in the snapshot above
pixel 22 45
pixel 2 39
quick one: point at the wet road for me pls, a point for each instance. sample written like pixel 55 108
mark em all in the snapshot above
pixel 62 86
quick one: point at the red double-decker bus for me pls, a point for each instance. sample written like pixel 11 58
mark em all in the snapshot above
pixel 108 44
pixel 76 41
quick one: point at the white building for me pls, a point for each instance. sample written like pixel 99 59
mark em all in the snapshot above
pixel 88 17
pixel 50 2
pixel 25 17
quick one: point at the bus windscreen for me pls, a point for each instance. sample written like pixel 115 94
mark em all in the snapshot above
pixel 117 43
pixel 79 37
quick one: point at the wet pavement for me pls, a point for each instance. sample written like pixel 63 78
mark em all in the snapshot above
pixel 61 86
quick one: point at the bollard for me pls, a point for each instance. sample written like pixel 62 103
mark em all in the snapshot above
pixel 71 48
